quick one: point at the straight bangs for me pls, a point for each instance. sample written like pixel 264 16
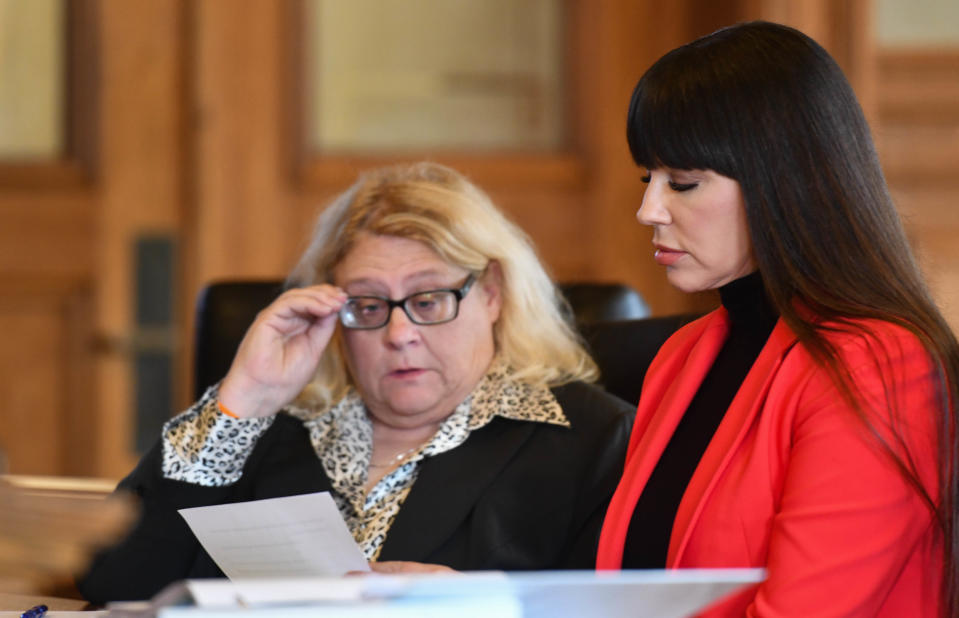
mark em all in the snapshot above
pixel 674 120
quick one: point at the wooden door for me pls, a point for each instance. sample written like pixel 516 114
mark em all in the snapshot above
pixel 68 232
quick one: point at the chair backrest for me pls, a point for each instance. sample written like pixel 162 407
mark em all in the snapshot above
pixel 623 349
pixel 225 310
pixel 603 302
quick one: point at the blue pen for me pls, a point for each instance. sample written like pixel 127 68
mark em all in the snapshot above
pixel 37 611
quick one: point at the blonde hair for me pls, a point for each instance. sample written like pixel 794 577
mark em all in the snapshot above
pixel 439 207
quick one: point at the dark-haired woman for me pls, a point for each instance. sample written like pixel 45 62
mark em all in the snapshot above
pixel 808 425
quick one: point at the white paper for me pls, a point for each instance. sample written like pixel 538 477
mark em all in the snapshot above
pixel 626 594
pixel 299 590
pixel 447 607
pixel 296 536
pixel 213 592
pixel 611 594
pixel 373 587
pixel 540 594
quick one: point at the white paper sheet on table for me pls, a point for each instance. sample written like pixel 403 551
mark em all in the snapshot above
pixel 537 594
pixel 296 536
pixel 542 594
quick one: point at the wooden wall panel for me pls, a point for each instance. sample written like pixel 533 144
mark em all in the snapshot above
pixel 242 200
pixel 139 191
pixel 29 361
pixel 40 394
pixel 46 235
pixel 46 261
pixel 918 137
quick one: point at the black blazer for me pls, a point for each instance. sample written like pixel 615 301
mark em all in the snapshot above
pixel 515 495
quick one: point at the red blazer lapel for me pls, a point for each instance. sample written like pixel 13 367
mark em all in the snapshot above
pixel 672 380
pixel 743 411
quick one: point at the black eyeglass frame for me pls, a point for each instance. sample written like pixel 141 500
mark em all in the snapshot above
pixel 458 293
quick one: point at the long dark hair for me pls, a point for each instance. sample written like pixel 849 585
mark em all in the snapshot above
pixel 767 106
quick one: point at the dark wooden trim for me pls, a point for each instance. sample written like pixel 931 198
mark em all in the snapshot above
pixel 293 89
pixel 83 85
pixel 43 176
pixel 77 426
pixel 72 300
pixel 495 171
pixel 923 59
pixel 189 172
pixel 569 52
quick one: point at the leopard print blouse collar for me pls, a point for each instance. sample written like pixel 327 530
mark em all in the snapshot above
pixel 343 436
pixel 343 439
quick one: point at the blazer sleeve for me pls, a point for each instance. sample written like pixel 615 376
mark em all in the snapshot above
pixel 849 521
pixel 601 473
pixel 161 548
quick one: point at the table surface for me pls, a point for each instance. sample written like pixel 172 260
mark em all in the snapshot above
pixel 53 613
pixel 10 602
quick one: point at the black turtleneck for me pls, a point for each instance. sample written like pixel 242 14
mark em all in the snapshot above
pixel 752 319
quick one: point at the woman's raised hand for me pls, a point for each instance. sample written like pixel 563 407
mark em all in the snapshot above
pixel 281 350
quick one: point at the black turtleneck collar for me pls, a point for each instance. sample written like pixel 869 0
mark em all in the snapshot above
pixel 750 311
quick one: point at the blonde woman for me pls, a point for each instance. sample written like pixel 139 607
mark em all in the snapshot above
pixel 420 369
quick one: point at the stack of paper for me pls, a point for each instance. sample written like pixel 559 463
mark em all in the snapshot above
pixel 543 594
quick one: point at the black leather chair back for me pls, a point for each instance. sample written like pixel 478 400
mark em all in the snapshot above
pixel 603 302
pixel 224 311
pixel 623 349
pixel 607 313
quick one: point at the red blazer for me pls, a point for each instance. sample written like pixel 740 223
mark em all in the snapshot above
pixel 792 480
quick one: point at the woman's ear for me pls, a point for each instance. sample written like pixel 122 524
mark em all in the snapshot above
pixel 492 285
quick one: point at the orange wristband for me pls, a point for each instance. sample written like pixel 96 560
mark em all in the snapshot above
pixel 224 409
